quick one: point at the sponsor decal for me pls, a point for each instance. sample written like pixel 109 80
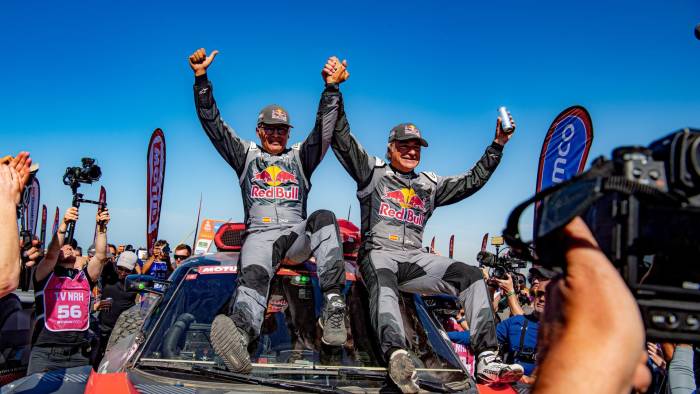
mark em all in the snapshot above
pixel 191 277
pixel 279 114
pixel 411 129
pixel 266 219
pixel 411 206
pixel 394 237
pixel 155 173
pixel 217 269
pixel 274 177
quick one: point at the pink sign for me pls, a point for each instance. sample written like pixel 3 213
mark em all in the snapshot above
pixel 67 303
pixel 155 162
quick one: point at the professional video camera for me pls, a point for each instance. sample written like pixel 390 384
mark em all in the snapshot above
pixel 88 173
pixel 643 207
pixel 500 265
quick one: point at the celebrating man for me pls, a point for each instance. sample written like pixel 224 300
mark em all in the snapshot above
pixel 396 202
pixel 275 182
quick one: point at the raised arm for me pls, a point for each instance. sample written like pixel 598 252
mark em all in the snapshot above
pixel 97 262
pixel 46 266
pixel 10 190
pixel 453 189
pixel 314 148
pixel 351 155
pixel 225 140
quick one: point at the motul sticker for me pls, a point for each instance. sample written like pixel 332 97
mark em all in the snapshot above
pixel 218 269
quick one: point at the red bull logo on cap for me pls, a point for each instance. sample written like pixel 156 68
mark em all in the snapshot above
pixel 411 129
pixel 412 206
pixel 274 177
pixel 279 114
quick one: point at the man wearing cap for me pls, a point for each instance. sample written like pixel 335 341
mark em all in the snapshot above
pixel 396 202
pixel 116 297
pixel 275 182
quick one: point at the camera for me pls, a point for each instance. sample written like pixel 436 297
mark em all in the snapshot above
pixel 88 173
pixel 643 207
pixel 500 265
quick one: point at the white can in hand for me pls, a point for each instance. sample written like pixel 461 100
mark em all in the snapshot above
pixel 506 124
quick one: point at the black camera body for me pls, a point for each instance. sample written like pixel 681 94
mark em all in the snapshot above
pixel 643 207
pixel 500 265
pixel 88 173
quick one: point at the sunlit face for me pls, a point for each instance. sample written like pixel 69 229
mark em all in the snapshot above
pixel 405 155
pixel 273 138
pixel 540 297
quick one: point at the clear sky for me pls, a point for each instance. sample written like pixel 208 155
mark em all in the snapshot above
pixel 94 78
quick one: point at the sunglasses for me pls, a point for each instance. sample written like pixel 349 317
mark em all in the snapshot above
pixel 178 257
pixel 281 131
pixel 539 293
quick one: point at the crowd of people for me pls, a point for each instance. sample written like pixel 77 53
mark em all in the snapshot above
pixel 78 298
pixel 579 330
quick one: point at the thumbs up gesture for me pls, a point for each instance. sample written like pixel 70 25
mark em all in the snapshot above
pixel 199 61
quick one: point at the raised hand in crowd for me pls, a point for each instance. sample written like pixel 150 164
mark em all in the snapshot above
pixel 10 190
pixel 57 250
pixel 199 61
pixel 589 313
pixel 34 253
pixel 335 71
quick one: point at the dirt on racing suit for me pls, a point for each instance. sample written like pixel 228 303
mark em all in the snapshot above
pixel 275 190
pixel 395 208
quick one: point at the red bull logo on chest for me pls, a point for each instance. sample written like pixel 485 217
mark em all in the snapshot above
pixel 275 177
pixel 412 207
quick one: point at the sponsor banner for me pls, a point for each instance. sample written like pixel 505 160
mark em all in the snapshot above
pixel 452 246
pixel 155 173
pixel 484 242
pixel 31 213
pixel 103 202
pixel 432 245
pixel 42 233
pixel 55 223
pixel 565 149
pixel 217 269
pixel 205 238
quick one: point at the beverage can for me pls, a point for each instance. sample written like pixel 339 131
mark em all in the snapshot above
pixel 506 124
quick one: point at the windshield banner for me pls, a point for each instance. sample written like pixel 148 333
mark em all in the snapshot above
pixel 31 210
pixel 205 238
pixel 565 149
pixel 155 162
pixel 55 223
pixel 42 234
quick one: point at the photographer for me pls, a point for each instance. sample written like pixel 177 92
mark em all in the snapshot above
pixel 64 302
pixel 158 265
pixel 507 292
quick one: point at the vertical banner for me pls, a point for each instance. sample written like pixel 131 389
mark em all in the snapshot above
pixel 42 233
pixel 155 173
pixel 432 245
pixel 484 242
pixel 31 213
pixel 451 252
pixel 103 202
pixel 205 238
pixel 564 151
pixel 55 223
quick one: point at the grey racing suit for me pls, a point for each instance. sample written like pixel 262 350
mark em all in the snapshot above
pixel 395 208
pixel 275 190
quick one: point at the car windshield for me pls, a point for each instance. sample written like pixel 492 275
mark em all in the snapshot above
pixel 290 346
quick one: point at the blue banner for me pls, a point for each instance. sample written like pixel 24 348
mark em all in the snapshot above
pixel 565 149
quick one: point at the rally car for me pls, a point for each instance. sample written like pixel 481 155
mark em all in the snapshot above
pixel 163 344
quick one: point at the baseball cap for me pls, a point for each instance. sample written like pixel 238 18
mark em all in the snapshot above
pixel 543 272
pixel 127 260
pixel 406 131
pixel 274 114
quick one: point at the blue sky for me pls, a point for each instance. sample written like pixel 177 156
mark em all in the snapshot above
pixel 95 79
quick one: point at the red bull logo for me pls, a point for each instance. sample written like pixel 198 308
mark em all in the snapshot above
pixel 412 206
pixel 275 176
pixel 411 129
pixel 279 114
